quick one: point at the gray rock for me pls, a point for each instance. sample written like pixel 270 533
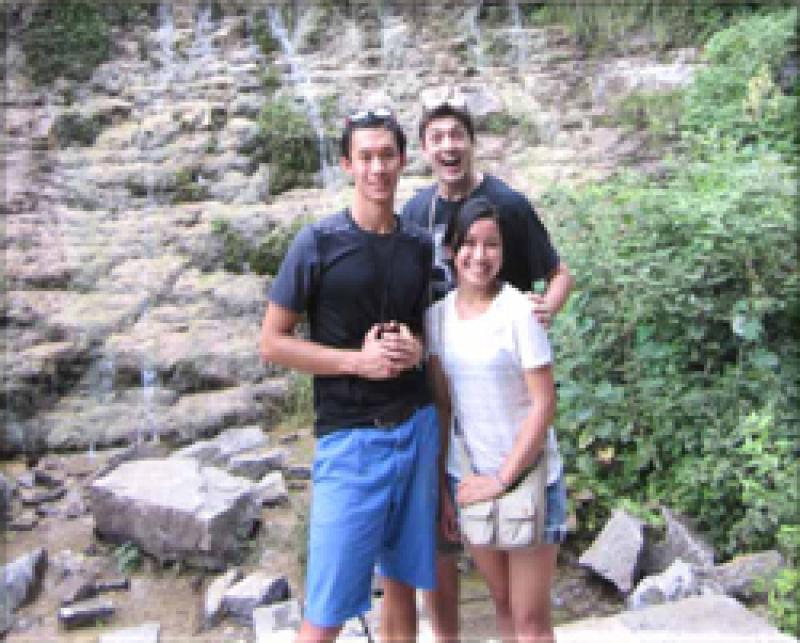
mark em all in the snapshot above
pixel 25 521
pixel 145 633
pixel 680 541
pixel 253 591
pixel 212 605
pixel 279 616
pixel 76 588
pixel 614 554
pixel 176 509
pixel 34 497
pixel 228 444
pixel 271 489
pixel 48 477
pixel 74 505
pixel 112 584
pixel 252 466
pixel 85 613
pixel 697 619
pixel 298 472
pixel 21 580
pixel 748 576
pixel 678 581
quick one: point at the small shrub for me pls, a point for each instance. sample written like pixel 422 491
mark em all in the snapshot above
pixel 128 557
pixel 288 143
pixel 71 37
pixel 75 128
pixel 784 589
pixel 263 257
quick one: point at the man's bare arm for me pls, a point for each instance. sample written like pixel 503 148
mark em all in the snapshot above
pixel 281 346
pixel 559 286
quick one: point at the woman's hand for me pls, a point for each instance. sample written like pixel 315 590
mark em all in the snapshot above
pixel 478 488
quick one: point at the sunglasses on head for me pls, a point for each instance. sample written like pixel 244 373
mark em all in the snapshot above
pixel 452 99
pixel 370 116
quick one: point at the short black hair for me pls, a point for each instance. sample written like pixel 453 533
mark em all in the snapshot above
pixel 375 122
pixel 474 209
pixel 445 109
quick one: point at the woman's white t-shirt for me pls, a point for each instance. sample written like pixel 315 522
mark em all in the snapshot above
pixel 485 359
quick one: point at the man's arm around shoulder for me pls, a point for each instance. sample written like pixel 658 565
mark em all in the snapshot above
pixel 559 286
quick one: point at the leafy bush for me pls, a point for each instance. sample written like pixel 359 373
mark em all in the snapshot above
pixel 657 113
pixel 263 257
pixel 71 37
pixel 76 128
pixel 676 355
pixel 784 590
pixel 737 98
pixel 128 557
pixel 287 142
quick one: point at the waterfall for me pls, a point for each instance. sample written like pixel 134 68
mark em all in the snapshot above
pixel 150 387
pixel 518 41
pixel 301 82
pixel 471 17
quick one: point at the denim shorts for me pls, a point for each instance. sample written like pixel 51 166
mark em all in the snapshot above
pixel 374 500
pixel 555 520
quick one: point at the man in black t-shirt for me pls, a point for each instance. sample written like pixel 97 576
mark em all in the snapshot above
pixel 447 136
pixel 362 276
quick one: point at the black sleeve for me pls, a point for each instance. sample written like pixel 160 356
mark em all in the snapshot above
pixel 543 258
pixel 293 285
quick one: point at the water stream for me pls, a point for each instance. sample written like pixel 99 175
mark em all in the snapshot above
pixel 518 38
pixel 300 81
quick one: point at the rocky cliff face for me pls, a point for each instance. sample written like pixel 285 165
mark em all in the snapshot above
pixel 120 320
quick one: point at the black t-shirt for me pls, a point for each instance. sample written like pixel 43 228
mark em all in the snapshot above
pixel 347 280
pixel 528 254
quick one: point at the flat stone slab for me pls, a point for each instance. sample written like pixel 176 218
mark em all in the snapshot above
pixel 176 509
pixel 698 619
pixel 85 613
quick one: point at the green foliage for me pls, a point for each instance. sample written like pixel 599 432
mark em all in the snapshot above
pixel 71 37
pixel 677 358
pixel 66 38
pixel 264 256
pixel 298 411
pixel 287 142
pixel 270 79
pixel 784 590
pixel 128 557
pixel 76 128
pixel 187 186
pixel 657 113
pixel 610 26
pixel 737 99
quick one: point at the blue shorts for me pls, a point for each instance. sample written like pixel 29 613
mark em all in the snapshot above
pixel 555 520
pixel 374 500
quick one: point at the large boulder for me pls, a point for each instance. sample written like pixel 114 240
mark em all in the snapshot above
pixel 176 510
pixel 748 576
pixel 681 541
pixel 20 582
pixel 615 553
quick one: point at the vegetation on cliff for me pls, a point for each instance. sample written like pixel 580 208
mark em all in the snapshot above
pixel 677 354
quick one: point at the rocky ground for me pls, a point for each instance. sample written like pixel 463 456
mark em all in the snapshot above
pixel 175 595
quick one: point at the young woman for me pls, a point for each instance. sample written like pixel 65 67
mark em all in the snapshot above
pixel 490 362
